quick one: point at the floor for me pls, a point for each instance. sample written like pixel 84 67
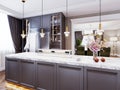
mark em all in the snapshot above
pixel 2 81
pixel 9 86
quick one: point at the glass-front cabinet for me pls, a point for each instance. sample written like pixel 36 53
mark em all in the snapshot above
pixel 56 33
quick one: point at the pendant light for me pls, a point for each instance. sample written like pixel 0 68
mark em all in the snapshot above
pixel 100 31
pixel 42 34
pixel 23 35
pixel 66 31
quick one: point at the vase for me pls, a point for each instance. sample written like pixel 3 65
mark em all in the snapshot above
pixel 95 54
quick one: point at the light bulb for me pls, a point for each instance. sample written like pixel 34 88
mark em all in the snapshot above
pixel 42 35
pixel 99 32
pixel 66 32
pixel 23 34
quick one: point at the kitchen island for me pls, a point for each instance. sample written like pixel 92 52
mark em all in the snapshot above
pixel 45 71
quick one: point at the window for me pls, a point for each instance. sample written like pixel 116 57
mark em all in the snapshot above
pixel 6 43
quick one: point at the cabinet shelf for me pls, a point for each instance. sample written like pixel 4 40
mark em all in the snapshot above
pixel 58 41
pixel 56 24
pixel 56 34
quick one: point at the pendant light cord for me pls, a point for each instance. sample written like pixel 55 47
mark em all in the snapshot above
pixel 100 9
pixel 23 8
pixel 23 1
pixel 67 12
pixel 42 14
pixel 66 15
pixel 100 14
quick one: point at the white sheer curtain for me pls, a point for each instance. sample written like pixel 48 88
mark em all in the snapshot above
pixel 6 43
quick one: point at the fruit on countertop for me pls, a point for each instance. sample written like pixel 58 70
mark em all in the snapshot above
pixel 102 59
pixel 96 59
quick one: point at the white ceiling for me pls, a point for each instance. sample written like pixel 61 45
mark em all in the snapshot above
pixel 75 7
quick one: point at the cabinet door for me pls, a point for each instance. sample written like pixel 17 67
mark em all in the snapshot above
pixel 35 22
pixel 69 77
pixel 12 70
pixel 44 42
pixel 46 22
pixel 46 76
pixel 27 73
pixel 101 79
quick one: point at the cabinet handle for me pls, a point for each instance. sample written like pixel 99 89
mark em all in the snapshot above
pixel 27 61
pixel 11 60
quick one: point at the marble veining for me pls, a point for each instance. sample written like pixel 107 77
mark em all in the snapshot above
pixel 110 63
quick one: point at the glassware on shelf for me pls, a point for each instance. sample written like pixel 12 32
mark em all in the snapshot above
pixel 55 31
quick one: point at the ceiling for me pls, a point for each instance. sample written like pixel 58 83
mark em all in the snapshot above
pixel 75 7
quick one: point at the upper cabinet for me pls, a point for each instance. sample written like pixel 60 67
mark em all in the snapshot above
pixel 35 22
pixel 57 38
pixel 54 26
pixel 47 22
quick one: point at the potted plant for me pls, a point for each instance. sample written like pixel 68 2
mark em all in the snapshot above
pixel 79 48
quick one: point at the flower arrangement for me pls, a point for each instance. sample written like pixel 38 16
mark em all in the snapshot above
pixel 94 46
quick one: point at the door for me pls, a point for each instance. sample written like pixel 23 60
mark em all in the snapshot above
pixel 46 76
pixel 27 73
pixel 101 79
pixel 69 77
pixel 12 70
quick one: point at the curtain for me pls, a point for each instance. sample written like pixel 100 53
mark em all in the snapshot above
pixel 6 43
pixel 16 30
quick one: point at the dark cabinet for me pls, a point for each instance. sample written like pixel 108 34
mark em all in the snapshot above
pixel 47 22
pixel 27 73
pixel 69 77
pixel 20 71
pixel 57 38
pixel 12 70
pixel 45 41
pixel 51 76
pixel 101 79
pixel 35 22
pixel 45 76
pixel 54 26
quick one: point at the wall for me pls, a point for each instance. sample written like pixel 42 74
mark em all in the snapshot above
pixel 93 19
pixel 68 39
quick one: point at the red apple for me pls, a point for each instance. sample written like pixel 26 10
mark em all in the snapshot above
pixel 96 59
pixel 102 59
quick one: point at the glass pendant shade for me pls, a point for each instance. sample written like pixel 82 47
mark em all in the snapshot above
pixel 23 35
pixel 66 32
pixel 42 34
pixel 100 31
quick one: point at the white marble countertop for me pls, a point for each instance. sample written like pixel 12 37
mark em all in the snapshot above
pixel 110 63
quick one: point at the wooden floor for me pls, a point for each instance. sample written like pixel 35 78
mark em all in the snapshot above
pixel 9 86
pixel 2 81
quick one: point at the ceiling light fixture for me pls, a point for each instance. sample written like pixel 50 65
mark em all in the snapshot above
pixel 23 35
pixel 66 31
pixel 42 34
pixel 100 31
